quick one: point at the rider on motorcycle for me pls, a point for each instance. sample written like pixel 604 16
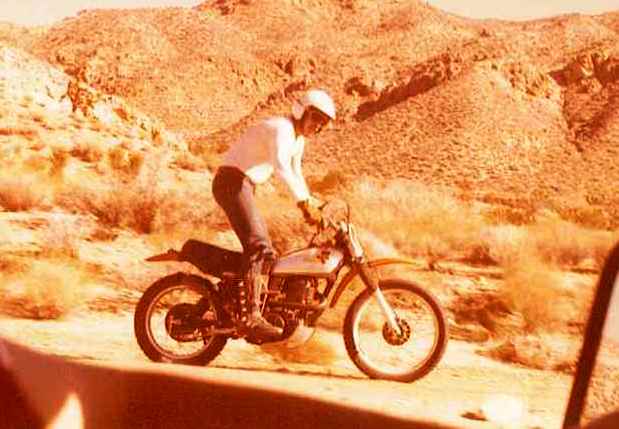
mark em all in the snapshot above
pixel 273 145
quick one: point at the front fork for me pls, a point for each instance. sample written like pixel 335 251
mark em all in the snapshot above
pixel 369 278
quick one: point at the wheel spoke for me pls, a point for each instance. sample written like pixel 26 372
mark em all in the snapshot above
pixel 170 315
pixel 387 351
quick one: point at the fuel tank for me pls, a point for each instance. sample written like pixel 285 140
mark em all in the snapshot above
pixel 308 262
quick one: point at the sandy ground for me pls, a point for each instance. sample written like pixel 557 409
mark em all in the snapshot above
pixel 463 384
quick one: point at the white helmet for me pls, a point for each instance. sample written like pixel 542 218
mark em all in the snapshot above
pixel 316 98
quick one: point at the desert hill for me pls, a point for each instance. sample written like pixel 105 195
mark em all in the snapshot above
pixel 496 106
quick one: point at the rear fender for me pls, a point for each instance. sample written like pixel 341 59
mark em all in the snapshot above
pixel 372 265
pixel 170 255
pixel 208 258
pixel 190 279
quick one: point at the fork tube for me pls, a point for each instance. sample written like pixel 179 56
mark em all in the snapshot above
pixel 366 276
pixel 387 311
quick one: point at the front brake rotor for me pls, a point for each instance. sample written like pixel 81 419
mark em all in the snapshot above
pixel 392 337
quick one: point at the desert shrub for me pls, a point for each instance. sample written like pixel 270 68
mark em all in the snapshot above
pixel 547 298
pixel 143 206
pixel 59 161
pixel 182 210
pixel 331 183
pixel 190 162
pixel 587 216
pixel 87 152
pixel 568 244
pixel 209 153
pixel 135 208
pixel 27 133
pixel 554 241
pixel 501 215
pixel 540 294
pixel 541 351
pixel 26 100
pixel 10 264
pixel 45 289
pixel 60 238
pixel 503 244
pixel 21 192
pixel 286 228
pixel 133 205
pixel 125 161
pixel 39 117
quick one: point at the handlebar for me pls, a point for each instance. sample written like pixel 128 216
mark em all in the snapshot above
pixel 327 222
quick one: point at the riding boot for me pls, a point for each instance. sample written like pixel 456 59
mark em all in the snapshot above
pixel 257 324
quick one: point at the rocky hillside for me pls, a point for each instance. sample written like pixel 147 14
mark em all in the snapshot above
pixel 503 111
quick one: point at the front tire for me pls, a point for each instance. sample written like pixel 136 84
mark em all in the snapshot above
pixel 152 316
pixel 378 351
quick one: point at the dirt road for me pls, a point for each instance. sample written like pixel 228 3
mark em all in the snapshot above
pixel 461 386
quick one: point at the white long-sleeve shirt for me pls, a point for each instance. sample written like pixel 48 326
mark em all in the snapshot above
pixel 271 146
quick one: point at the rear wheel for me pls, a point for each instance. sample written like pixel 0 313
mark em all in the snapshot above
pixel 379 351
pixel 172 318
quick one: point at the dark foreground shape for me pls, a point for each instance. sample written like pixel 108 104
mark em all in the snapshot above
pixel 101 396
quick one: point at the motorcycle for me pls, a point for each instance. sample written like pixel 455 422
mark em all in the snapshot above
pixel 394 329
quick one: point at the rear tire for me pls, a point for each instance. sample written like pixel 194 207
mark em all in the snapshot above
pixel 372 366
pixel 144 314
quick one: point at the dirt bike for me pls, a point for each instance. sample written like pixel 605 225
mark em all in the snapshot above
pixel 394 329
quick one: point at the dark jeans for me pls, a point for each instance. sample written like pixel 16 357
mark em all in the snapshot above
pixel 234 192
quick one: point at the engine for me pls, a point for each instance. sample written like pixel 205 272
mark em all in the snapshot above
pixel 294 304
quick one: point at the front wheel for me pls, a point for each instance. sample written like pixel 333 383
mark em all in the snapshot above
pixel 379 351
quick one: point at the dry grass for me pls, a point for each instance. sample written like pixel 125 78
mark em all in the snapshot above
pixel 417 220
pixel 45 289
pixel 142 205
pixel 422 221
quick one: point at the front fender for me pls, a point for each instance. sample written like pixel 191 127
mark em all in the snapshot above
pixel 390 261
pixel 371 264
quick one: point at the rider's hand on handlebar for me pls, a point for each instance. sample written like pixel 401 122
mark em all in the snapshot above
pixel 315 202
pixel 311 213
